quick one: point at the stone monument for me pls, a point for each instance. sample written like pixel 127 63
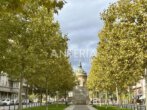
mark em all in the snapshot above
pixel 80 93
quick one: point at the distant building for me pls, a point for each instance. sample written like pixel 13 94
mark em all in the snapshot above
pixel 79 95
pixel 139 89
pixel 81 76
pixel 8 88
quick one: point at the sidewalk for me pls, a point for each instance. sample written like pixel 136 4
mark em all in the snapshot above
pixel 80 107
pixel 71 107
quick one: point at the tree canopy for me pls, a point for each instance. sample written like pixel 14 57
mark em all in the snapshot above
pixel 28 36
pixel 122 47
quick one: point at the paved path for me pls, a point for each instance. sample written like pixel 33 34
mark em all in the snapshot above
pixel 70 107
pixel 80 107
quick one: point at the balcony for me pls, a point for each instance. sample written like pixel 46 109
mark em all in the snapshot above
pixel 8 89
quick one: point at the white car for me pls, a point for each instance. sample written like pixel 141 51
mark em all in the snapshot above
pixel 25 101
pixel 6 101
pixel 94 101
pixel 14 101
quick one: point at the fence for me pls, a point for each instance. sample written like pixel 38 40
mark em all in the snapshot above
pixel 131 106
pixel 15 107
pixel 127 106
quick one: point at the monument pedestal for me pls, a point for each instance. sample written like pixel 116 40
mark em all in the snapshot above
pixel 80 96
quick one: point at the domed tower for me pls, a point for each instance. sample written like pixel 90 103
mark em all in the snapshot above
pixel 81 76
pixel 80 93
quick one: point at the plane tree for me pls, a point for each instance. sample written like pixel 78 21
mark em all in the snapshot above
pixel 123 44
pixel 19 44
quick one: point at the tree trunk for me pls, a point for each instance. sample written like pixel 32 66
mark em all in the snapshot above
pixel 106 99
pixel 20 93
pixel 92 97
pixel 27 95
pixel 66 103
pixel 41 98
pixel 100 99
pixel 57 98
pixel 46 95
pixel 129 96
pixel 117 95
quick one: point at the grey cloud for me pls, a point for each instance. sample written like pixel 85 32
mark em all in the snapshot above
pixel 81 15
pixel 80 19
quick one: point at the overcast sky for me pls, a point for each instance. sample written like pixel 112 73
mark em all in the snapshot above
pixel 80 20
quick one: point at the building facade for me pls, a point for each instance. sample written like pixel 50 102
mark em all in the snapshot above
pixel 139 89
pixel 81 76
pixel 8 88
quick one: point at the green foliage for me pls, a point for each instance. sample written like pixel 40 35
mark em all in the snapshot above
pixel 19 5
pixel 28 36
pixel 122 48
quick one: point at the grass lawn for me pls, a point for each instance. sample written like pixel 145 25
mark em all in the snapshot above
pixel 109 108
pixel 51 107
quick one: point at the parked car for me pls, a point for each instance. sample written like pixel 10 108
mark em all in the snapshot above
pixel 137 99
pixel 61 100
pixel 25 101
pixel 6 101
pixel 94 101
pixel 14 102
pixel 51 101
